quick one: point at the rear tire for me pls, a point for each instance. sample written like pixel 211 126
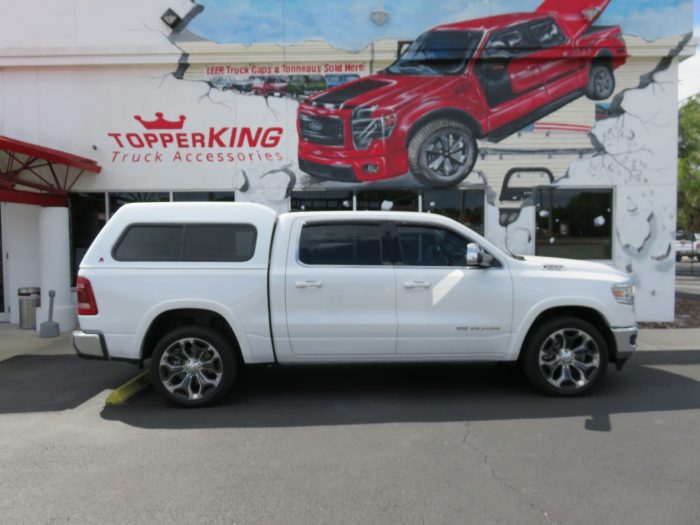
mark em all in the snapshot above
pixel 442 153
pixel 193 366
pixel 601 82
pixel 565 357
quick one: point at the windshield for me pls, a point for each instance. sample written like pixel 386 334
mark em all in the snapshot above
pixel 437 53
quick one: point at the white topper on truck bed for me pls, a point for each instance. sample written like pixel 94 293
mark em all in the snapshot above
pixel 201 289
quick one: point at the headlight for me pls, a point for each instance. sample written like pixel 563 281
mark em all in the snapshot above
pixel 367 126
pixel 623 293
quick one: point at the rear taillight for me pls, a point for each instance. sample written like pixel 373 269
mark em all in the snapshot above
pixel 86 299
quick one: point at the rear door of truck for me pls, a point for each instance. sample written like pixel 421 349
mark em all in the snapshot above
pixel 340 296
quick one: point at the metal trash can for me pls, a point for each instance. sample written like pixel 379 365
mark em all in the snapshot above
pixel 29 300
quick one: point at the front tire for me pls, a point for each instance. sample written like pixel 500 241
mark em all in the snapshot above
pixel 193 366
pixel 565 357
pixel 601 82
pixel 442 153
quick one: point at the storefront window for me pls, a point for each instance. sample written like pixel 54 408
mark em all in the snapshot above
pixel 465 206
pixel 321 200
pixel 387 200
pixel 87 217
pixel 204 196
pixel 573 223
pixel 117 200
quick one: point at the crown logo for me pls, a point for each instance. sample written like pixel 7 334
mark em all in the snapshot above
pixel 161 123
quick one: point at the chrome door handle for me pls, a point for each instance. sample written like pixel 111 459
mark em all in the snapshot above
pixel 309 284
pixel 416 284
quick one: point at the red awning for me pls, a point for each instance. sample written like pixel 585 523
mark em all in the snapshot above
pixel 32 174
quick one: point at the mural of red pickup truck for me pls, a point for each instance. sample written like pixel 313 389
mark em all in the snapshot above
pixel 478 79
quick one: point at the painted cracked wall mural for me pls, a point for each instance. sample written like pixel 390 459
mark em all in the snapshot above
pixel 537 104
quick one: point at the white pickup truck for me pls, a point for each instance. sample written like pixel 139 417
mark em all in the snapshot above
pixel 203 289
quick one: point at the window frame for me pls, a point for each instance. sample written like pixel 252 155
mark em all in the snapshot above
pixel 522 27
pixel 613 215
pixel 183 227
pixel 387 255
pixel 496 265
pixel 536 43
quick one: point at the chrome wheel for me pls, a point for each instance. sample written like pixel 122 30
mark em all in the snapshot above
pixel 569 359
pixel 448 155
pixel 190 369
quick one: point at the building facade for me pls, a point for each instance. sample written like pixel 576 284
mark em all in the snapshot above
pixel 550 127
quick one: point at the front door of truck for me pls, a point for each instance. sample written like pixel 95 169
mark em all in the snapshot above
pixel 445 309
pixel 340 294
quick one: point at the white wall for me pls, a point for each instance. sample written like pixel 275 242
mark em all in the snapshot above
pixel 21 225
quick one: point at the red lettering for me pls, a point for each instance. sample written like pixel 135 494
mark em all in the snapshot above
pixel 166 138
pixel 197 140
pixel 232 140
pixel 182 140
pixel 272 137
pixel 135 140
pixel 246 136
pixel 116 136
pixel 216 137
pixel 150 138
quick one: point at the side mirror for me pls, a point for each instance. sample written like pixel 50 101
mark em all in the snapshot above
pixel 475 255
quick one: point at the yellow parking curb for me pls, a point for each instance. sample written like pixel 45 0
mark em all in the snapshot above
pixel 128 390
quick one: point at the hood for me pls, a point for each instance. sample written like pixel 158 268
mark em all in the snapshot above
pixel 556 264
pixel 387 91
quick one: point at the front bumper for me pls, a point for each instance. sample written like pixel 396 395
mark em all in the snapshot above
pixel 626 344
pixel 329 163
pixel 90 345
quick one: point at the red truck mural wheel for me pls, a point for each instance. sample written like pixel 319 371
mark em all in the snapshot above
pixel 601 82
pixel 442 153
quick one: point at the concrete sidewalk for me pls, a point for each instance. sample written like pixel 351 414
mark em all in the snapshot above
pixel 14 341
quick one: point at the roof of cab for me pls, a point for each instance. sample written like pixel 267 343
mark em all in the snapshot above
pixel 491 22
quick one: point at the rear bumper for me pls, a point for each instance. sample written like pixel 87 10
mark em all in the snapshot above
pixel 90 345
pixel 626 343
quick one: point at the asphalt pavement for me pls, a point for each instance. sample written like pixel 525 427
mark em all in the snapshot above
pixel 442 444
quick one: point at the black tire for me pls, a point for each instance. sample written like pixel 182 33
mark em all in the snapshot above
pixel 568 330
pixel 678 257
pixel 601 82
pixel 199 391
pixel 428 145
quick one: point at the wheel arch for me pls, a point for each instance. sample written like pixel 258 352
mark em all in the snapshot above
pixel 453 113
pixel 589 314
pixel 604 57
pixel 166 317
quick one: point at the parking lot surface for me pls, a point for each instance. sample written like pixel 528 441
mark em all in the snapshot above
pixel 447 444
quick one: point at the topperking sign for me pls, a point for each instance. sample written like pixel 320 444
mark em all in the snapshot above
pixel 164 140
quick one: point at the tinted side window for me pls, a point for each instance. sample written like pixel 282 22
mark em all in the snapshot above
pixel 150 243
pixel 427 246
pixel 341 244
pixel 219 242
pixel 187 242
pixel 508 43
pixel 547 34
